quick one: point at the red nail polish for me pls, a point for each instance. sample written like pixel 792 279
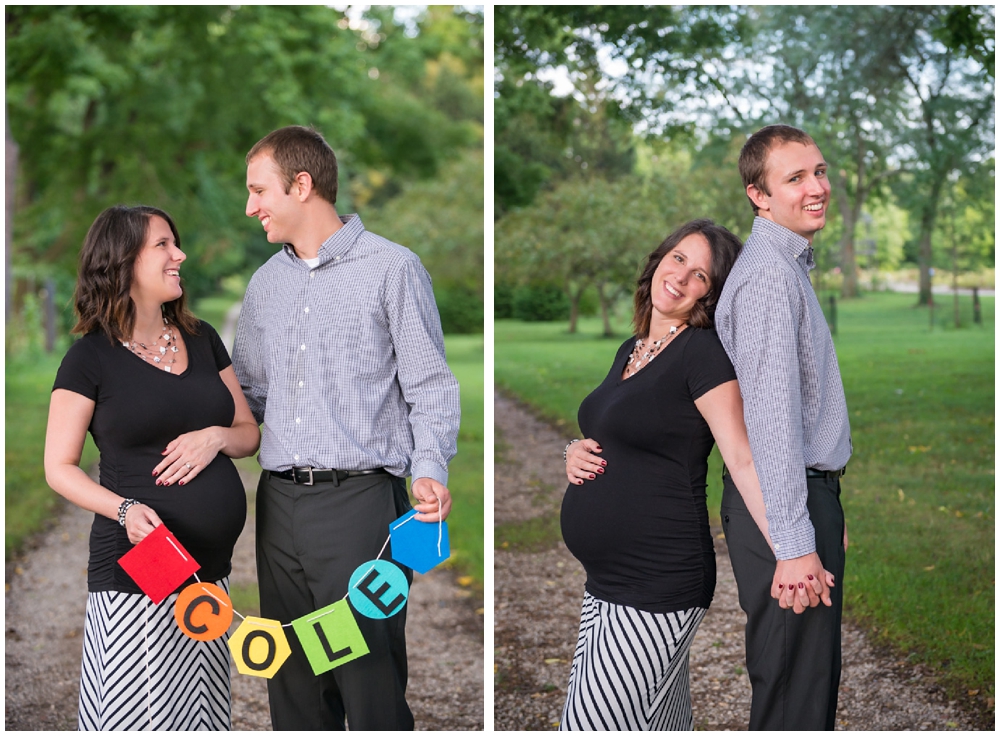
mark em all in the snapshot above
pixel 801 586
pixel 604 462
pixel 181 483
pixel 811 577
pixel 780 586
pixel 155 474
pixel 592 476
pixel 601 471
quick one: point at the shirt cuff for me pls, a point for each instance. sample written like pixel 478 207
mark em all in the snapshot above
pixel 795 542
pixel 428 469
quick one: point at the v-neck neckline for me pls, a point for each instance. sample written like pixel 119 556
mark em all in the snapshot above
pixel 621 369
pixel 180 338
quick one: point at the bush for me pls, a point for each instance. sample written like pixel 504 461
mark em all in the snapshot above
pixel 503 300
pixel 461 310
pixel 540 303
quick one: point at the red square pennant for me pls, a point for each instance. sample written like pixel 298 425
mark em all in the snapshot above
pixel 159 564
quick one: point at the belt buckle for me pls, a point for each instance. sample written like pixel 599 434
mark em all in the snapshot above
pixel 295 476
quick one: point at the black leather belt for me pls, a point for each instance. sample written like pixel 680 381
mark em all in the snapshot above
pixel 831 474
pixel 308 476
pixel 810 472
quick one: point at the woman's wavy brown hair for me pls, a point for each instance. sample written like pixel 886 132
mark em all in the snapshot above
pixel 107 265
pixel 724 247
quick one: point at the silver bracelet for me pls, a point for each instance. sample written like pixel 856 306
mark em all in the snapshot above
pixel 565 449
pixel 123 508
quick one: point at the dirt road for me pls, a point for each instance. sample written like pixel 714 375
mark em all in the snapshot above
pixel 538 596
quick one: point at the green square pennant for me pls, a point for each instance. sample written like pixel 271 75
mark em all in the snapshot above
pixel 330 637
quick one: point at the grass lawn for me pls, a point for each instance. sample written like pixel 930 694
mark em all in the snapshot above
pixel 28 501
pixel 919 492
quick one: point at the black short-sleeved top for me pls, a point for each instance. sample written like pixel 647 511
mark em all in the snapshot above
pixel 139 409
pixel 641 529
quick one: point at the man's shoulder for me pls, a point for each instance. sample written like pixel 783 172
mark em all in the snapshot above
pixel 376 246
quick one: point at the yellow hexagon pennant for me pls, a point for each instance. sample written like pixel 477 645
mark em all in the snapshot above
pixel 259 647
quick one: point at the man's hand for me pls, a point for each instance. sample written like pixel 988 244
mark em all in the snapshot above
pixel 802 583
pixel 428 492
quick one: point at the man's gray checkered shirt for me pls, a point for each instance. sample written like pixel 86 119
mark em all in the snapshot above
pixel 772 327
pixel 344 363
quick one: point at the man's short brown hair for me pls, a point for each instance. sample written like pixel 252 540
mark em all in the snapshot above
pixel 753 157
pixel 296 149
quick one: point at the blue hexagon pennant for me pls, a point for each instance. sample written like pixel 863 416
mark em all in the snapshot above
pixel 419 545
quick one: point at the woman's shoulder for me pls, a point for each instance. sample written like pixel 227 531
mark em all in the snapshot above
pixel 704 342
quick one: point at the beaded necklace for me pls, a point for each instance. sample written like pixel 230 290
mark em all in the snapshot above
pixel 163 355
pixel 638 358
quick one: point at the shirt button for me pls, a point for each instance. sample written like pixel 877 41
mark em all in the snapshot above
pixel 303 347
pixel 301 384
pixel 307 310
pixel 312 275
pixel 777 546
pixel 298 420
pixel 296 457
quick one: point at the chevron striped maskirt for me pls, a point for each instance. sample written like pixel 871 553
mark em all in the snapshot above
pixel 141 673
pixel 630 670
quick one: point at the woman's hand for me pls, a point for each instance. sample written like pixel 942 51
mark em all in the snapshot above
pixel 582 463
pixel 187 456
pixel 140 521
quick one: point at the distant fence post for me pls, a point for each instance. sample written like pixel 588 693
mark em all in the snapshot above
pixel 50 315
pixel 833 314
pixel 977 315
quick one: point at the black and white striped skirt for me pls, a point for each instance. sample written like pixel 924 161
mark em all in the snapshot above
pixel 630 670
pixel 141 673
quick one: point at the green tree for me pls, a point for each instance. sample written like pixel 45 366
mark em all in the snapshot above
pixel 442 222
pixel 158 104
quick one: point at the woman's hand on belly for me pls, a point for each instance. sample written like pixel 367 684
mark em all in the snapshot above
pixel 582 461
pixel 187 456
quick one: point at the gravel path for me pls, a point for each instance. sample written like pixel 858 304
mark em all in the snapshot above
pixel 45 598
pixel 537 600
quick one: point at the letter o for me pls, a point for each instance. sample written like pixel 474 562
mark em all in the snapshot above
pixel 272 648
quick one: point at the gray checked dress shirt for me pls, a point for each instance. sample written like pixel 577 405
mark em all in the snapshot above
pixel 773 329
pixel 344 363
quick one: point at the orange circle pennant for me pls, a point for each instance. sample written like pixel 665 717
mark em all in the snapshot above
pixel 203 611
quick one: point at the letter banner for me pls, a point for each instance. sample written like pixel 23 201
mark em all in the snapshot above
pixel 419 545
pixel 159 564
pixel 259 647
pixel 378 589
pixel 203 611
pixel 330 637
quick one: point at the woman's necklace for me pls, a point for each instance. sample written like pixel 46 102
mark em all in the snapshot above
pixel 163 355
pixel 638 358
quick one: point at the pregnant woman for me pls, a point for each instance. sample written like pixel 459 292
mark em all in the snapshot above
pixel 635 513
pixel 155 388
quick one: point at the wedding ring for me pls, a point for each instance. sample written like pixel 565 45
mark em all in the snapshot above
pixel 187 465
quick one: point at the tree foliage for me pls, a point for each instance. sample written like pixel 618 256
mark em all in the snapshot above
pixel 900 100
pixel 159 104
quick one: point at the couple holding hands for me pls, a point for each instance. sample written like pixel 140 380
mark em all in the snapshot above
pixel 731 347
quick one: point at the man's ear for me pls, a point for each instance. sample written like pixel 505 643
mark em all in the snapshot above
pixel 758 198
pixel 303 185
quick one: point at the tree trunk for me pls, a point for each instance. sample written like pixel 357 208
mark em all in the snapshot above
pixel 10 154
pixel 925 255
pixel 850 213
pixel 605 311
pixel 574 308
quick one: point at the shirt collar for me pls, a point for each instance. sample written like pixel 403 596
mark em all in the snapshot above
pixel 338 244
pixel 797 247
